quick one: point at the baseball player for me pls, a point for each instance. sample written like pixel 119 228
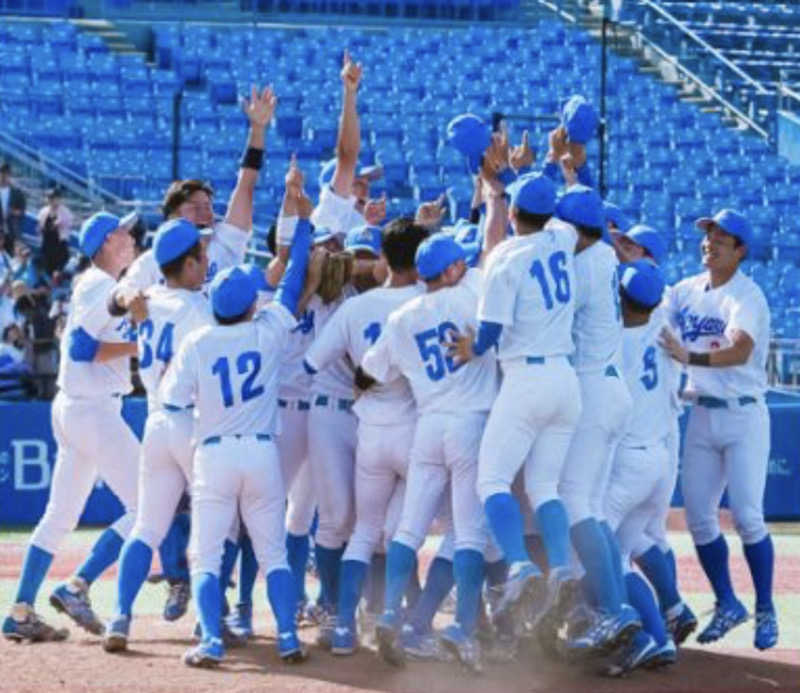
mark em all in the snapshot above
pixel 722 319
pixel 452 400
pixel 597 331
pixel 93 375
pixel 386 413
pixel 526 308
pixel 641 482
pixel 226 243
pixel 174 310
pixel 229 374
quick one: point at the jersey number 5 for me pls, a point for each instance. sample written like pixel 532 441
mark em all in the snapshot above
pixel 557 264
pixel 429 342
pixel 247 364
pixel 650 376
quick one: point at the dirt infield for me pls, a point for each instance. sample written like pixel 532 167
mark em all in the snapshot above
pixel 153 665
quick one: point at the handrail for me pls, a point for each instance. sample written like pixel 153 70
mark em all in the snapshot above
pixel 672 60
pixel 707 46
pixel 783 90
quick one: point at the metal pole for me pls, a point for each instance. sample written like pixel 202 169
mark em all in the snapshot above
pixel 602 127
pixel 176 133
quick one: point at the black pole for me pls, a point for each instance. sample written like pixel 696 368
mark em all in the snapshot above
pixel 602 128
pixel 176 133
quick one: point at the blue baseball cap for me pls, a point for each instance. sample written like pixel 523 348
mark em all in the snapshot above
pixel 616 216
pixel 470 136
pixel 173 239
pixel 580 119
pixel 256 274
pixel 329 168
pixel 534 193
pixel 322 234
pixel 731 222
pixel 581 205
pixel 232 292
pixel 436 253
pixel 364 238
pixel 643 282
pixel 650 239
pixel 95 230
pixel 469 237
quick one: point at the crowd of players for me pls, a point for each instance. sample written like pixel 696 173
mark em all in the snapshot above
pixel 513 377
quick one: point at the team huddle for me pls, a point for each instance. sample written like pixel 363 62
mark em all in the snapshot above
pixel 514 380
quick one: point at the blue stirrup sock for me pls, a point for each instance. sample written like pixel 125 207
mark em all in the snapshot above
pixel 714 559
pixel 413 588
pixel 505 519
pixel 655 566
pixel 376 583
pixel 283 599
pixel 104 552
pixel 172 551
pixel 592 549
pixel 468 571
pixel 554 526
pixel 206 593
pixel 34 569
pixel 134 565
pixel 400 562
pixel 641 598
pixel 616 559
pixel 248 570
pixel 229 552
pixel 538 554
pixel 438 584
pixel 297 547
pixel 328 561
pixel 351 583
pixel 669 554
pixel 761 560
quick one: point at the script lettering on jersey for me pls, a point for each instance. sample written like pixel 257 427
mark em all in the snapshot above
pixel 211 272
pixel 694 326
pixel 305 322
pixel 126 329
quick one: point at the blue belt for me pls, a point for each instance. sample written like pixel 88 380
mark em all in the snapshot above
pixel 172 407
pixel 213 440
pixel 611 372
pixel 302 404
pixel 341 404
pixel 717 403
pixel 539 360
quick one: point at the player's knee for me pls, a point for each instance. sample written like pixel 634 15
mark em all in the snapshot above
pixel 124 524
pixel 703 528
pixel 147 535
pixel 362 544
pixel 408 538
pixel 489 486
pixel 472 542
pixel 51 530
pixel 447 547
pixel 575 500
pixel 749 523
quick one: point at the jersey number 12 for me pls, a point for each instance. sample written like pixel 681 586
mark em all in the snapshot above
pixel 247 364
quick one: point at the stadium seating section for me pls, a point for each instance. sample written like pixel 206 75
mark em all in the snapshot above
pixel 109 117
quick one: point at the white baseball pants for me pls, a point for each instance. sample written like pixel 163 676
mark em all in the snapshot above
pixel 293 451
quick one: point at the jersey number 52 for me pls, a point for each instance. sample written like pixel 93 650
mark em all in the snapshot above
pixel 437 365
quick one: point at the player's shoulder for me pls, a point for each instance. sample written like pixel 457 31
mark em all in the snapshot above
pixel 93 281
pixel 689 284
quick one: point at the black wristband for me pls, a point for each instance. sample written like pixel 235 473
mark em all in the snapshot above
pixel 253 158
pixel 699 359
pixel 475 215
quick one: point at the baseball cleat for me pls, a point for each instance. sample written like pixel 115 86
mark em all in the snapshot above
pixel 663 656
pixel 309 615
pixel 633 655
pixel 177 600
pixel 32 629
pixel 325 633
pixel 366 628
pixel 425 647
pixel 557 599
pixel 207 655
pixel 240 621
pixel 503 648
pixel 290 648
pixel 683 625
pixel 608 632
pixel 766 635
pixel 389 646
pixel 725 618
pixel 77 606
pixel 344 640
pixel 518 587
pixel 115 639
pixel 464 647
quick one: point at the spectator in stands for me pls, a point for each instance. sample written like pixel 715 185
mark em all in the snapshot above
pixel 15 370
pixel 54 226
pixel 12 208
pixel 7 314
pixel 60 216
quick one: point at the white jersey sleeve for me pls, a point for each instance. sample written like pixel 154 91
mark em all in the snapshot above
pixel 143 273
pixel 379 361
pixel 227 247
pixel 335 212
pixel 332 342
pixel 178 386
pixel 336 379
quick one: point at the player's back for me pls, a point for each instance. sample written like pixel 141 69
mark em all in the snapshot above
pixel 172 315
pixel 232 373
pixel 650 375
pixel 597 329
pixel 337 378
pixel 418 331
pixel 529 290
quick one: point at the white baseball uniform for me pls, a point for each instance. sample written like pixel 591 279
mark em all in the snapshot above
pixel 230 374
pixel 386 413
pixel 452 404
pixel 332 436
pixel 727 436
pixel 530 290
pixel 165 467
pixel 335 212
pixel 597 331
pixel 93 439
pixel 640 484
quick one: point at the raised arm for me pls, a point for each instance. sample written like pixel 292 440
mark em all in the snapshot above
pixel 287 221
pixel 290 287
pixel 259 109
pixel 348 142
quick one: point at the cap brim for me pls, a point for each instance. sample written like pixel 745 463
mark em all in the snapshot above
pixel 371 173
pixel 129 220
pixel 366 248
pixel 206 231
pixel 703 223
